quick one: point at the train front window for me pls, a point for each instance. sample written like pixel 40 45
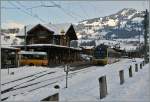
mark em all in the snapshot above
pixel 100 53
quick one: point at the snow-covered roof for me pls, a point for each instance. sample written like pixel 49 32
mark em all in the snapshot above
pixel 7 47
pixel 56 28
pixel 8 39
pixel 48 45
pixel 31 52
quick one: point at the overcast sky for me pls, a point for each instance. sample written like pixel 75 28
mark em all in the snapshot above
pixel 66 11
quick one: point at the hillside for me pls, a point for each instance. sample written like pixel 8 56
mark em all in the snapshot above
pixel 126 23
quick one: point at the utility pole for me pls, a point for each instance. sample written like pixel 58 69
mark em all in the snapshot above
pixel 146 27
pixel 139 40
pixel 119 23
pixel 25 39
pixel 66 69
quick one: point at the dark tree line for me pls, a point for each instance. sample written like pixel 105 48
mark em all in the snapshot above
pixel 89 43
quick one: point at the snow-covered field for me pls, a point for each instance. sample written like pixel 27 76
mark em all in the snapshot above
pixel 86 87
pixel 83 84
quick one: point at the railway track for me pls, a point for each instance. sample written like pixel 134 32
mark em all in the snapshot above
pixel 33 83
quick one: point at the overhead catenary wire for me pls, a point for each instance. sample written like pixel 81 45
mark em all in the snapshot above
pixel 62 9
pixel 35 15
pixel 42 5
pixel 7 7
pixel 84 11
pixel 32 7
pixel 26 12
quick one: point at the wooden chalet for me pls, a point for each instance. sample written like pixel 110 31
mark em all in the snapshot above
pixel 53 39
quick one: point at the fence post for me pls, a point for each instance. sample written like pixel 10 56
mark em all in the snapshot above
pixel 140 65
pixel 121 74
pixel 130 71
pixel 143 63
pixel 103 86
pixel 136 67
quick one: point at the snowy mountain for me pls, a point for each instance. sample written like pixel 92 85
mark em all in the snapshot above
pixel 126 23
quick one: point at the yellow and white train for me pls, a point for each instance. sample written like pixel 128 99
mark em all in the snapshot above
pixel 103 55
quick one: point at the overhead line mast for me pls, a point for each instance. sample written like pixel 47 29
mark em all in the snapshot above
pixel 146 31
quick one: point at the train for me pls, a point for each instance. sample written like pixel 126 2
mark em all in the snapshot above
pixel 103 55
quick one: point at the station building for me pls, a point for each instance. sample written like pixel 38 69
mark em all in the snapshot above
pixel 54 39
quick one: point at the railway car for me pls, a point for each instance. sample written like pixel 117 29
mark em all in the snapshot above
pixel 103 55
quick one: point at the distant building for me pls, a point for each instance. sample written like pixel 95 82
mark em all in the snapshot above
pixel 9 57
pixel 12 31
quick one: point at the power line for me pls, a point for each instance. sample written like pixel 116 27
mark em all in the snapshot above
pixel 84 11
pixel 32 7
pixel 35 15
pixel 24 11
pixel 64 10
pixel 5 7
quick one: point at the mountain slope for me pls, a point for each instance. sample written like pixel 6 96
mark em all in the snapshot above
pixel 126 23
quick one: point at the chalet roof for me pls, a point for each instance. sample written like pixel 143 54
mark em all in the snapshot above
pixel 32 52
pixel 47 45
pixel 56 28
pixel 9 48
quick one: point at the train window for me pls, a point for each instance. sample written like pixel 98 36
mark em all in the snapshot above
pixel 100 53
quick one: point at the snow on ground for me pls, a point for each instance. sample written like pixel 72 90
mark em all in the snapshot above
pixel 131 39
pixel 135 89
pixel 19 72
pixel 138 19
pixel 111 22
pixel 86 87
pixel 83 84
pixel 128 47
